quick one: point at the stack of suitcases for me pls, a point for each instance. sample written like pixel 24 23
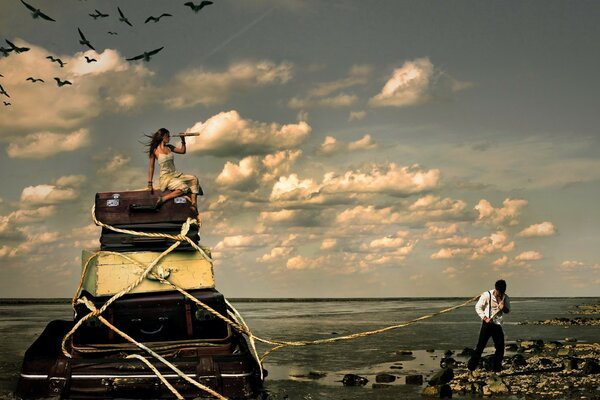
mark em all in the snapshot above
pixel 153 313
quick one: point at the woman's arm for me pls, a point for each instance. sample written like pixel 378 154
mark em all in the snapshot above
pixel 181 149
pixel 151 172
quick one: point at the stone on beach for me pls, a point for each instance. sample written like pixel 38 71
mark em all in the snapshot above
pixel 442 377
pixel 385 378
pixel 354 380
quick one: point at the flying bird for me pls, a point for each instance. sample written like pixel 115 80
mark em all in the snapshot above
pixel 123 17
pixel 98 15
pixel 90 60
pixel 84 41
pixel 198 7
pixel 34 80
pixel 36 12
pixel 58 60
pixel 156 19
pixel 2 91
pixel 112 33
pixel 5 51
pixel 6 103
pixel 61 83
pixel 16 49
pixel 146 56
pixel 1 76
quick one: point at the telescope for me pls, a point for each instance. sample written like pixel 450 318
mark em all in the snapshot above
pixel 186 134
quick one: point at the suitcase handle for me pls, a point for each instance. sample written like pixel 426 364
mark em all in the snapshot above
pixel 154 332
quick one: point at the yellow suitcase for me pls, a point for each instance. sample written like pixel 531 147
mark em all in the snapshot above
pixel 108 274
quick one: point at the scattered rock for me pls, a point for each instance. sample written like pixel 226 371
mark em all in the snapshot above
pixel 354 380
pixel 442 377
pixel 570 363
pixel 430 350
pixel 447 362
pixel 570 340
pixel 448 353
pixel 385 378
pixel 518 361
pixel 511 347
pixel 467 352
pixel 404 352
pixel 591 367
pixel 414 379
pixel 316 375
pixel 432 391
pixel 396 367
pixel 496 385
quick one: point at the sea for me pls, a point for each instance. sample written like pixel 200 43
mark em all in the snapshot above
pixel 316 372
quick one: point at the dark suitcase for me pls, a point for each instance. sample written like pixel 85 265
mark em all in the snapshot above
pixel 154 317
pixel 137 207
pixel 116 241
pixel 48 373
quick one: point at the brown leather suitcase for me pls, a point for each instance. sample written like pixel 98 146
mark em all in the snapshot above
pixel 121 242
pixel 154 317
pixel 138 207
pixel 48 373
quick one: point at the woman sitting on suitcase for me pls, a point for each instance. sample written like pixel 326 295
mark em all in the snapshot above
pixel 170 178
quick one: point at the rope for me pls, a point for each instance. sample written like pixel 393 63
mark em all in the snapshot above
pixel 236 321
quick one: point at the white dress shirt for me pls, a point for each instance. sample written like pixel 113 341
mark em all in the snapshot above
pixel 487 306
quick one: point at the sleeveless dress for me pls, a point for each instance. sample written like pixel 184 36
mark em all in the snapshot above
pixel 172 179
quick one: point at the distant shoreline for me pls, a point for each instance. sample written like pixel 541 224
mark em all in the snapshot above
pixel 65 300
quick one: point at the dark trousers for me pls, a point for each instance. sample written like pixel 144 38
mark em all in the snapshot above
pixel 497 334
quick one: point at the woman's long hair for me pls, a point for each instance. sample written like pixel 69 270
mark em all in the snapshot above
pixel 155 140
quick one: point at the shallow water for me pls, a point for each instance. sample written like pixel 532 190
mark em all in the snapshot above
pixel 288 368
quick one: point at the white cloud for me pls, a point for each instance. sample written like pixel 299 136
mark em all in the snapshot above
pixel 416 82
pixel 227 134
pixel 391 180
pixel 74 181
pixel 276 253
pixel 571 266
pixel 473 248
pixel 499 216
pixel 196 86
pixel 46 144
pixel 279 163
pixel 243 176
pixel 322 94
pixel 329 244
pixel 367 215
pixel 47 195
pixel 500 261
pixel 293 188
pixel 529 256
pixel 240 242
pixel 300 262
pixel 356 115
pixel 389 242
pixel 94 89
pixel 440 231
pixel 289 218
pixel 539 230
pixel 332 146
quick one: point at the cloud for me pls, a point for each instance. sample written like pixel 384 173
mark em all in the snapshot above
pixel 300 262
pixel 116 173
pixel 367 215
pixel 332 146
pixel 416 82
pixel 46 144
pixel 74 181
pixel 276 253
pixel 571 266
pixel 500 261
pixel 328 244
pixel 196 86
pixel 539 230
pixel 227 134
pixel 243 176
pixel 321 95
pixel 279 163
pixel 111 84
pixel 473 248
pixel 356 115
pixel 500 216
pixel 390 179
pixel 391 242
pixel 240 242
pixel 440 231
pixel 529 256
pixel 47 195
pixel 293 188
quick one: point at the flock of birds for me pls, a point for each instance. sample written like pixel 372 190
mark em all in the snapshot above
pixel 38 13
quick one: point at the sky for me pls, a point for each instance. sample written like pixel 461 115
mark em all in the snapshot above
pixel 380 148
